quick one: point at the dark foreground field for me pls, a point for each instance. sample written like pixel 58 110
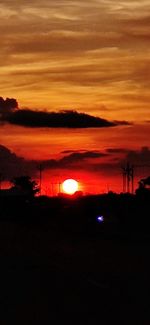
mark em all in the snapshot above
pixel 51 275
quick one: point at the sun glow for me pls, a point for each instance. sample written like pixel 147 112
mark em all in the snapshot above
pixel 70 186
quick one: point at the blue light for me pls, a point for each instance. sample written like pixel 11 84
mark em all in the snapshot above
pixel 100 218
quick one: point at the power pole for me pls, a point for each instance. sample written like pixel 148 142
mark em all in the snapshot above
pixel 59 187
pixel 0 181
pixel 128 178
pixel 40 168
pixel 124 179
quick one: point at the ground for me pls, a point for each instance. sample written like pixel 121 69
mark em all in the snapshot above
pixel 51 275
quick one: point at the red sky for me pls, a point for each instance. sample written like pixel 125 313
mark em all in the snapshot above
pixel 91 57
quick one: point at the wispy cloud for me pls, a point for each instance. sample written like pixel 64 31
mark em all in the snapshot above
pixel 88 52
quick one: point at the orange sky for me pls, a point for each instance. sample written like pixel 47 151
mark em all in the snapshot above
pixel 89 56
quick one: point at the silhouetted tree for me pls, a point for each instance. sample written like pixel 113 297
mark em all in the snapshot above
pixel 25 185
pixel 143 190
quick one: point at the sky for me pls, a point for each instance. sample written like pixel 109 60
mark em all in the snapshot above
pixel 74 90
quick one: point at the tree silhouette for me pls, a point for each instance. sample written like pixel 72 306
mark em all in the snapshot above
pixel 25 185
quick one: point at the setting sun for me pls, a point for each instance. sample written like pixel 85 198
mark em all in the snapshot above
pixel 70 186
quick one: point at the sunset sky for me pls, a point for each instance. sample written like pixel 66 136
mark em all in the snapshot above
pixel 68 58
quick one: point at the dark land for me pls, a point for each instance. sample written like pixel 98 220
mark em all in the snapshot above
pixel 60 265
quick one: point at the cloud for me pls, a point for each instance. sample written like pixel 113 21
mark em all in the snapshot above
pixel 118 157
pixel 7 107
pixel 61 119
pixel 70 26
pixel 140 157
pixel 9 112
pixel 91 51
pixel 99 162
pixel 75 159
pixel 115 156
pixel 137 158
pixel 116 150
pixel 12 165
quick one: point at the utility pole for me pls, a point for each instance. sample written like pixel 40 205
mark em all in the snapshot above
pixel 0 181
pixel 40 168
pixel 128 178
pixel 124 179
pixel 128 172
pixel 59 185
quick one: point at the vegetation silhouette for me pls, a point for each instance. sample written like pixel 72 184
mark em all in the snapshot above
pixel 124 212
pixel 58 253
pixel 25 185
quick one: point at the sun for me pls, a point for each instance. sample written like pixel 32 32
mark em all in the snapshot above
pixel 70 186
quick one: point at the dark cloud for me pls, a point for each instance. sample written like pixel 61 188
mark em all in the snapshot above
pixel 72 151
pixel 69 151
pixel 122 122
pixel 7 107
pixel 76 157
pixel 117 150
pixel 74 160
pixel 61 119
pixel 119 157
pixel 10 113
pixel 12 165
pixel 139 158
